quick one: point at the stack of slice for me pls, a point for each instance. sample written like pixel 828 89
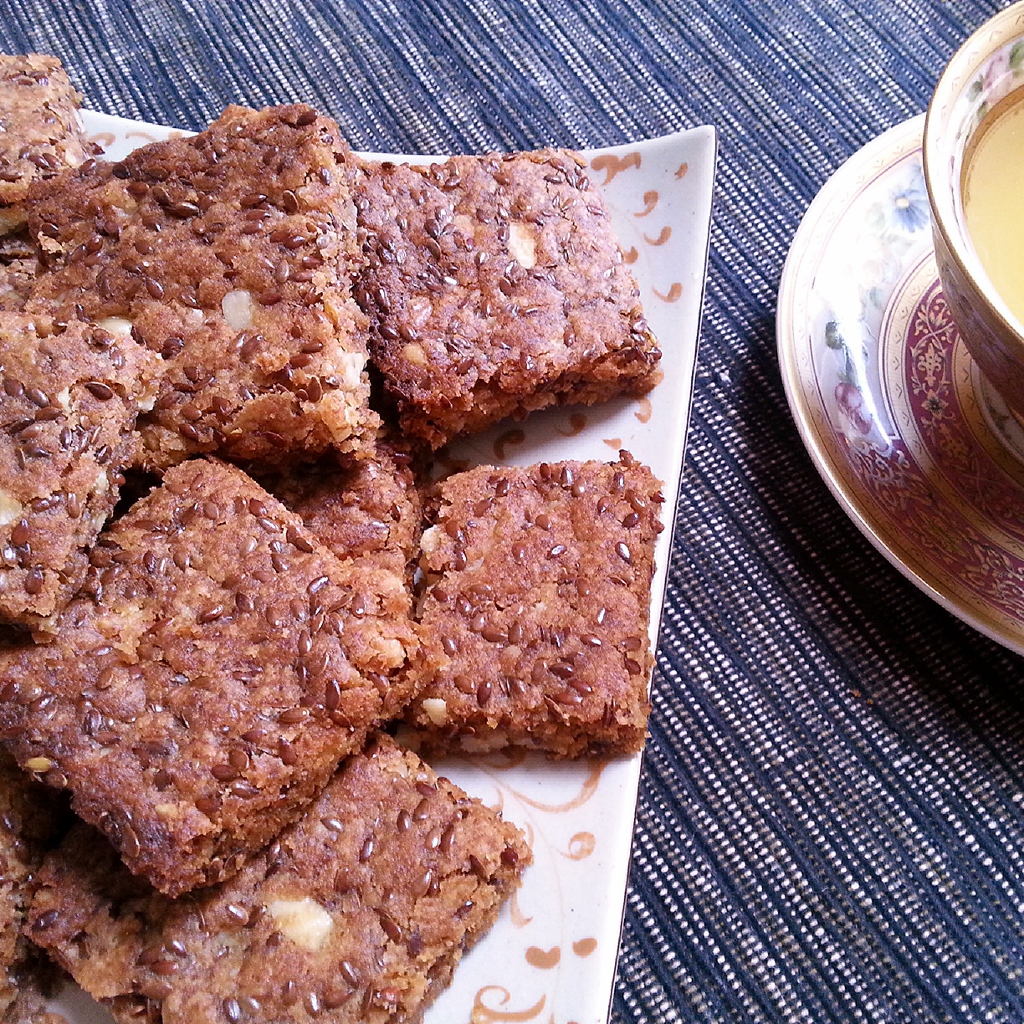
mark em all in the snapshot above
pixel 227 576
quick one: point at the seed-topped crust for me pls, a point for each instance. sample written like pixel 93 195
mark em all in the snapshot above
pixel 369 513
pixel 40 131
pixel 216 666
pixel 359 912
pixel 29 822
pixel 495 286
pixel 228 253
pixel 69 398
pixel 537 608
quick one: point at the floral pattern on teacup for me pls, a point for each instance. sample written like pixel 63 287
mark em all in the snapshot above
pixel 996 78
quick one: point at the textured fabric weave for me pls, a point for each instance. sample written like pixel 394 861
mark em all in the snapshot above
pixel 830 825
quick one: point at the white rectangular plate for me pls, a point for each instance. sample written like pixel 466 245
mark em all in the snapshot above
pixel 551 956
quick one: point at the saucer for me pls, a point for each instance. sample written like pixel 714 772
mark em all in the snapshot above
pixel 915 445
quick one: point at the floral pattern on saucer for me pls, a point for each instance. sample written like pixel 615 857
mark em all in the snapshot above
pixel 889 404
pixel 892 226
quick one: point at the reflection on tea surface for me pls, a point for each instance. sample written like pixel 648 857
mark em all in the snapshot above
pixel 993 198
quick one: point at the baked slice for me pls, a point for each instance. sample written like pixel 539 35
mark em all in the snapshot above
pixel 537 609
pixel 29 822
pixel 359 912
pixel 41 132
pixel 495 286
pixel 228 254
pixel 70 394
pixel 205 684
pixel 368 513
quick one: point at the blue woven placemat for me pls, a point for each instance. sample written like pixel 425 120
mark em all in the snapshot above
pixel 830 824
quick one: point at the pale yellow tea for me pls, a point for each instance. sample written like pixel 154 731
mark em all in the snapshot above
pixel 993 197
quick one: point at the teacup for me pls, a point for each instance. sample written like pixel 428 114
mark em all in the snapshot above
pixel 987 70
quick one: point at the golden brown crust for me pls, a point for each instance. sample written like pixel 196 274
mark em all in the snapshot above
pixel 69 398
pixel 41 133
pixel 369 513
pixel 228 254
pixel 358 913
pixel 537 608
pixel 204 685
pixel 494 286
pixel 28 825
